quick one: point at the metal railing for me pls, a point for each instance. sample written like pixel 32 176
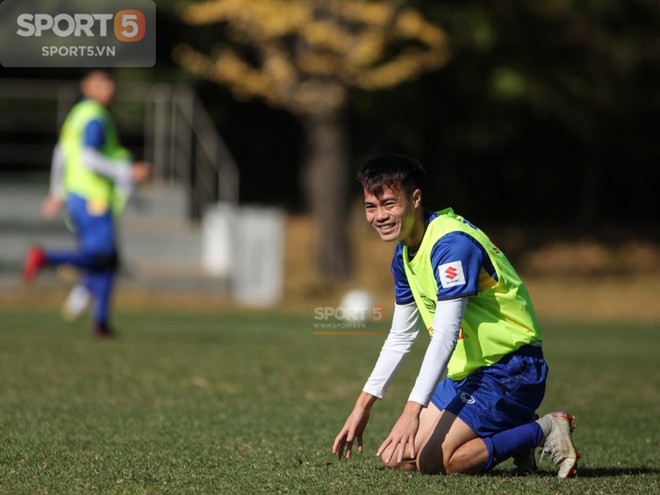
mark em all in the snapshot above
pixel 166 124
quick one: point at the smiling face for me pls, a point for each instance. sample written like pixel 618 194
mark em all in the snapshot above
pixel 395 216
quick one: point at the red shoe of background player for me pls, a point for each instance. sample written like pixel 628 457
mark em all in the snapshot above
pixel 34 261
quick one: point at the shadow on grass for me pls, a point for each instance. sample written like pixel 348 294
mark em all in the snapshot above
pixel 599 472
pixel 585 472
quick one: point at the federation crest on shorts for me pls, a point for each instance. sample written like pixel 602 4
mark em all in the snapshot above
pixel 451 274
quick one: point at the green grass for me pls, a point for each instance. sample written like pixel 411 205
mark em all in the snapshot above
pixel 250 403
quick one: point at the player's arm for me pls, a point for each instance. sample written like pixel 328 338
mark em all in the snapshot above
pixel 397 345
pixel 462 257
pixel 117 170
pixel 402 335
pixel 53 203
pixel 395 348
pixel 57 173
pixel 354 427
pixel 446 328
pixel 457 261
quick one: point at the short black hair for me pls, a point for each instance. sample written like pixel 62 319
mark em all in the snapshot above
pixel 87 71
pixel 392 171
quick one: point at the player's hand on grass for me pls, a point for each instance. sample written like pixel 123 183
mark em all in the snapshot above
pixel 353 429
pixel 402 435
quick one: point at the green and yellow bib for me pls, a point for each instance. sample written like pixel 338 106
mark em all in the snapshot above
pixel 498 319
pixel 78 179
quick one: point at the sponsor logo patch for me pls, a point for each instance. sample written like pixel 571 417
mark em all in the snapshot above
pixel 451 274
pixel 467 398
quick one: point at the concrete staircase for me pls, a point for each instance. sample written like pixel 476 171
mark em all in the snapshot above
pixel 161 250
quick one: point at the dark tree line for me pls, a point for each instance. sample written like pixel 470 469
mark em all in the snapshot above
pixel 546 115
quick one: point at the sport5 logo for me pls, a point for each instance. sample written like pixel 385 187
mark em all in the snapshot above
pixel 129 25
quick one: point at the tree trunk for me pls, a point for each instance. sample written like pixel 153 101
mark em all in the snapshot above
pixel 327 188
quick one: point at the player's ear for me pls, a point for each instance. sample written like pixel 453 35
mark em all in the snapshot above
pixel 417 198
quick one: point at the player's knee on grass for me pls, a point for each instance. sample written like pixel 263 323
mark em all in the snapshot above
pixel 430 461
pixel 408 464
pixel 435 461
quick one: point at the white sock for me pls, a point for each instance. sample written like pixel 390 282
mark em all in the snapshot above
pixel 77 301
pixel 546 426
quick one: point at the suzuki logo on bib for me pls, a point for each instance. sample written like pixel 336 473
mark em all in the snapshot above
pixel 451 274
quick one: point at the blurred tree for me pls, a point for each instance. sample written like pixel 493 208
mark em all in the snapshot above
pixel 585 66
pixel 554 104
pixel 550 106
pixel 305 56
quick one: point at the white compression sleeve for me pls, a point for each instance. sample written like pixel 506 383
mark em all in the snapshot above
pixel 405 327
pixel 446 327
pixel 57 173
pixel 118 171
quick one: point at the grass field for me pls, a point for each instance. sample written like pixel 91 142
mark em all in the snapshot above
pixel 250 403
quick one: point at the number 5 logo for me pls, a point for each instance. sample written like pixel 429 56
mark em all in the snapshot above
pixel 130 25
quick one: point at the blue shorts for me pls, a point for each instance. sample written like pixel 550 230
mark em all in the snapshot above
pixel 96 233
pixel 497 397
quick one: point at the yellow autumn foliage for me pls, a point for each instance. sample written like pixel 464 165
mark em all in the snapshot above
pixel 312 51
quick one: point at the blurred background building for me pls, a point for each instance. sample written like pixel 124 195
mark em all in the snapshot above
pixel 538 121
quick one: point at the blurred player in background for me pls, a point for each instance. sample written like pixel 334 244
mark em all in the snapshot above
pixel 93 175
pixel 484 335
